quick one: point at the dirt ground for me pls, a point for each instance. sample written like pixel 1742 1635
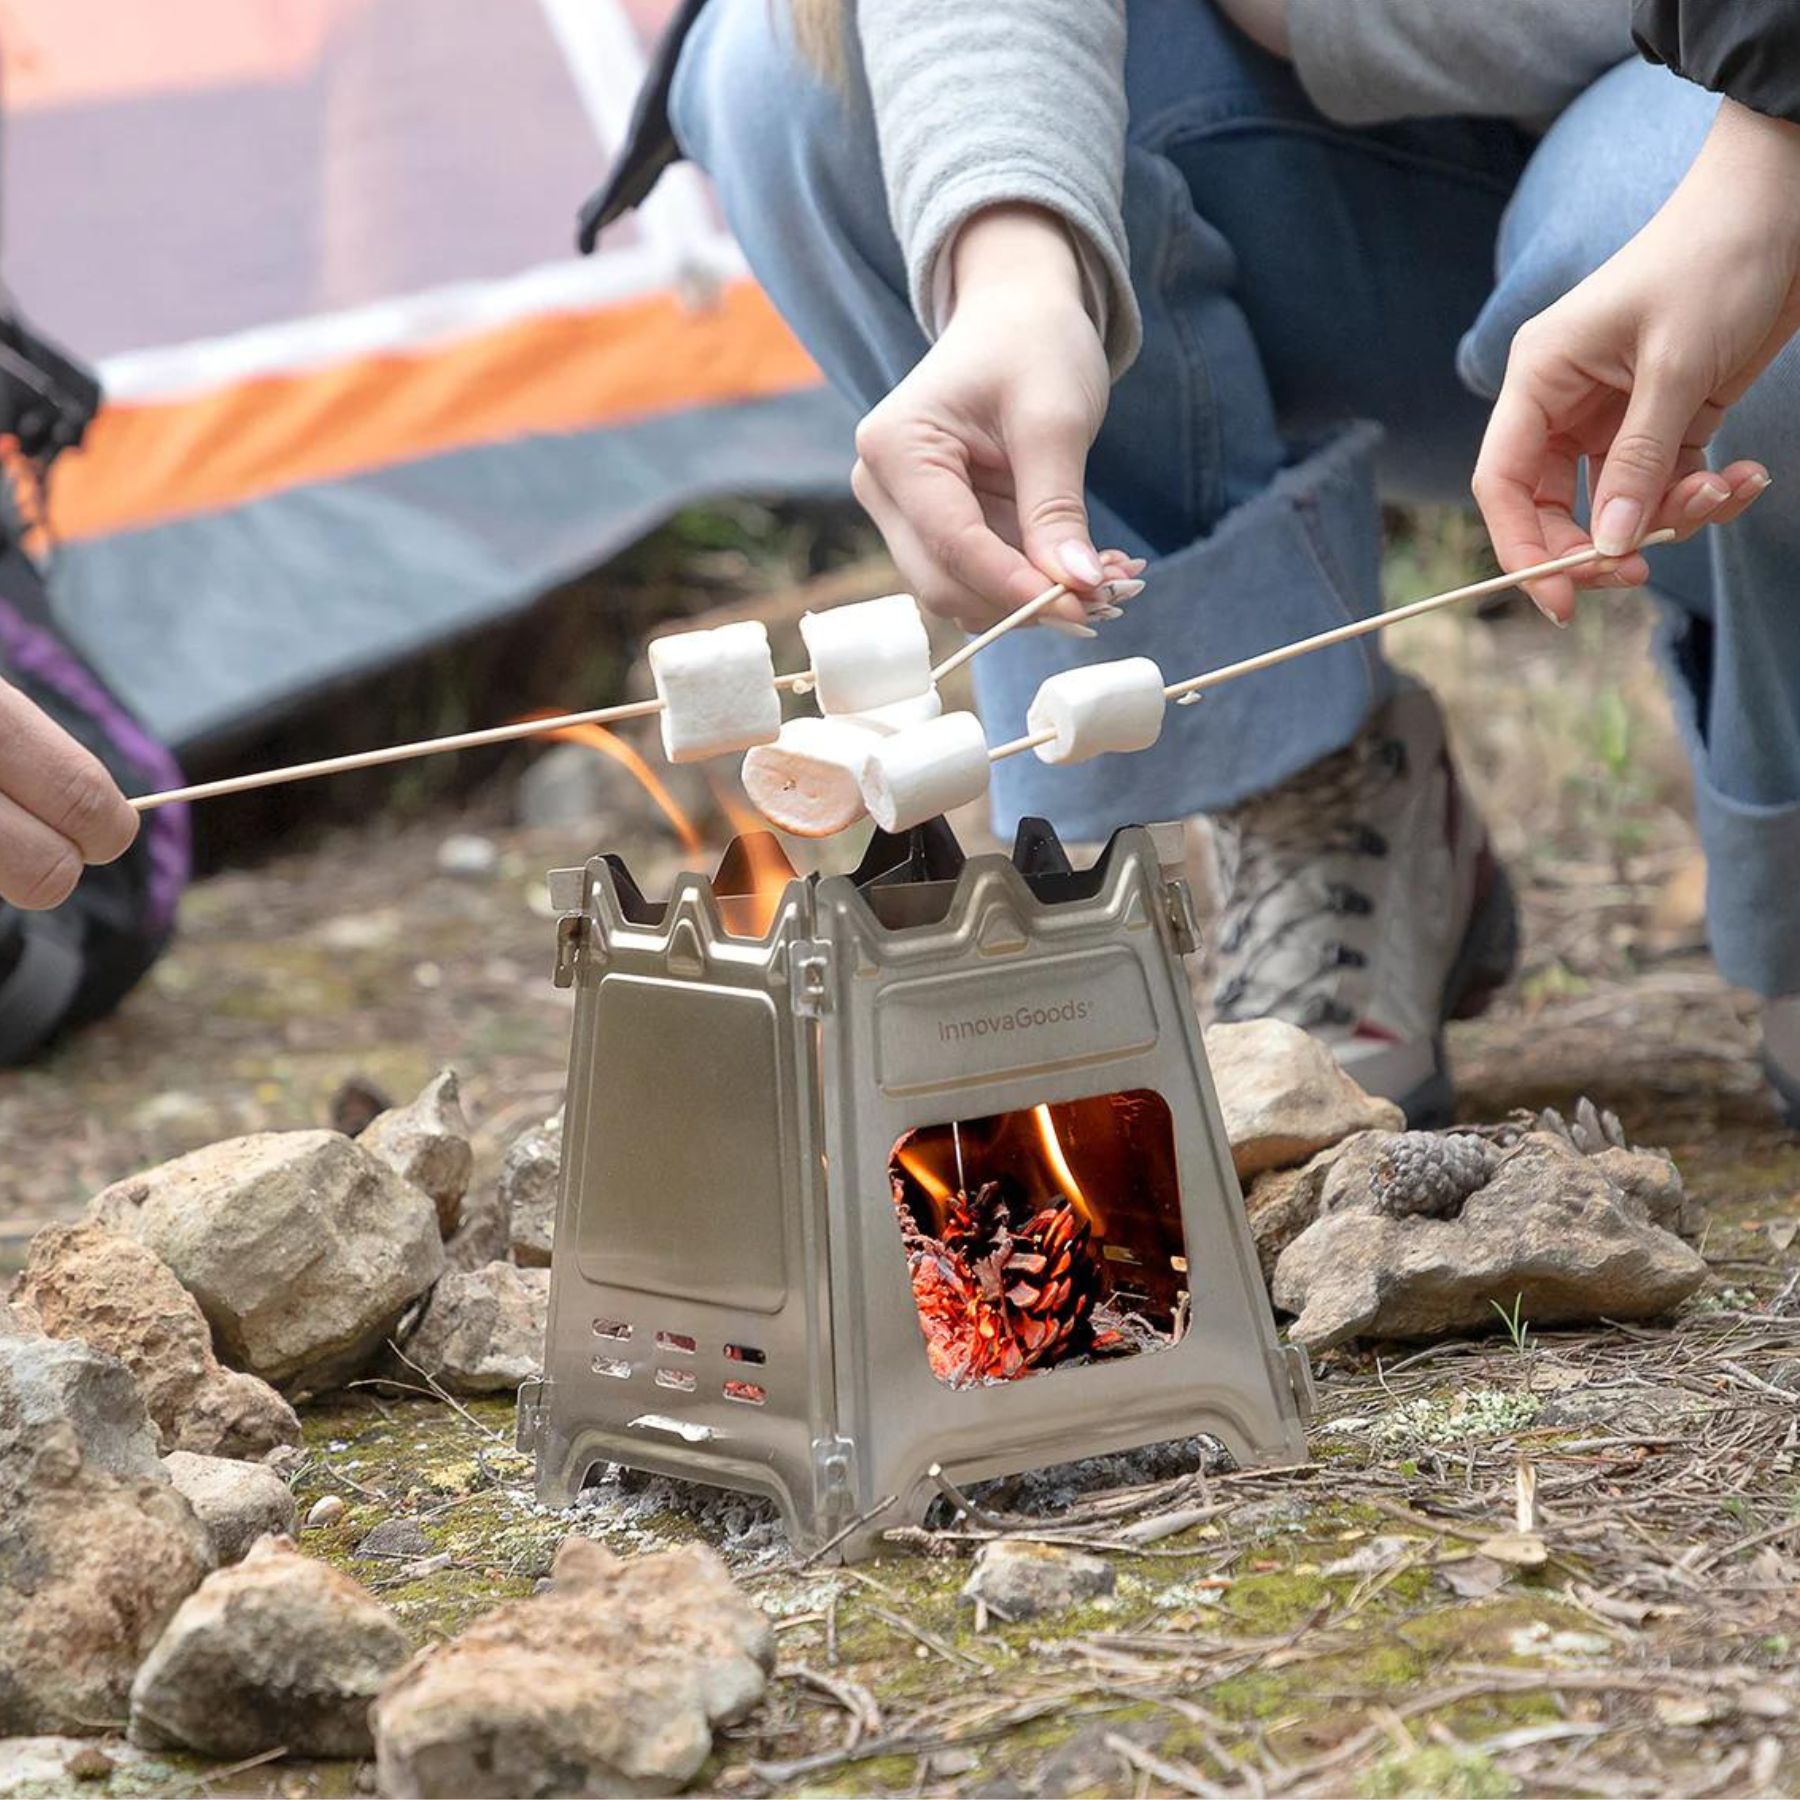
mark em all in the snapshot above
pixel 1563 1564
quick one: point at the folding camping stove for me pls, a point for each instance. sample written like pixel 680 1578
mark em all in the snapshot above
pixel 924 1168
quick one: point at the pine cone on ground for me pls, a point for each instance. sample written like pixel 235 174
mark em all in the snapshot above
pixel 1430 1174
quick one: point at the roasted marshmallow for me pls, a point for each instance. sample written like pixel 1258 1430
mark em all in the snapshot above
pixel 718 691
pixel 1097 709
pixel 809 781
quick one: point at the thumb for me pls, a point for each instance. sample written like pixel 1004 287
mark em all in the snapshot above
pixel 1049 463
pixel 1641 460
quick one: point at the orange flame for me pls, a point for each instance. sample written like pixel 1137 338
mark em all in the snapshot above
pixel 1059 1164
pixel 597 737
pixel 770 871
pixel 921 1171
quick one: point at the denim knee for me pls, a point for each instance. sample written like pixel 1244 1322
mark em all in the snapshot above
pixel 1599 176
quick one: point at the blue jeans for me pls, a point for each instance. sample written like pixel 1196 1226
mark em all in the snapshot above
pixel 1326 314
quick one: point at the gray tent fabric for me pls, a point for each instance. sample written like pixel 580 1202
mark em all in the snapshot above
pixel 208 626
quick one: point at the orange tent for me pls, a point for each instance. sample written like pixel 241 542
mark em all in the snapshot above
pixel 362 394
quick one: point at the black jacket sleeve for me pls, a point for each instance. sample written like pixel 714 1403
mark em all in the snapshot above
pixel 1748 49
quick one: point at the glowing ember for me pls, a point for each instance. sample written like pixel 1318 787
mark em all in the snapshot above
pixel 998 1300
pixel 1042 1237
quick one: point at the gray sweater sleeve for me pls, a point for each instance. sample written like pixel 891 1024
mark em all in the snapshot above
pixel 1367 61
pixel 984 103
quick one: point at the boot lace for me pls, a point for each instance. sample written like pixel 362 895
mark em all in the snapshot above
pixel 1287 866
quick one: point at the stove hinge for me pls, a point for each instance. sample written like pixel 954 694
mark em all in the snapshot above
pixel 1299 1374
pixel 571 934
pixel 834 1475
pixel 1184 919
pixel 528 1421
pixel 809 970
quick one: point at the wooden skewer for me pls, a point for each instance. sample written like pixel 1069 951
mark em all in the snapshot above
pixel 1184 693
pixel 370 759
pixel 528 728
pixel 1019 616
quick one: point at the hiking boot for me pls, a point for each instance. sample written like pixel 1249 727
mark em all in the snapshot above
pixel 1361 902
pixel 1781 1052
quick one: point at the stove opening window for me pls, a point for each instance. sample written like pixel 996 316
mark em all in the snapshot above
pixel 1046 1238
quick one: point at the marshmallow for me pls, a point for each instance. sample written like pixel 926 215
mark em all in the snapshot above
pixel 808 782
pixel 868 655
pixel 901 713
pixel 718 691
pixel 924 770
pixel 1101 707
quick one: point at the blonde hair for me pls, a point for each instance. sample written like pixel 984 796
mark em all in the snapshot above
pixel 819 27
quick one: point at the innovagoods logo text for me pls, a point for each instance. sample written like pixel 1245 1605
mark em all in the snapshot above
pixel 1024 1018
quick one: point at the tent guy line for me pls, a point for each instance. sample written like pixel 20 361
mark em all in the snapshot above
pixel 1182 692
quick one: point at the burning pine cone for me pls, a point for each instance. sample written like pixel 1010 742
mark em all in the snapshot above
pixel 995 1300
pixel 1430 1174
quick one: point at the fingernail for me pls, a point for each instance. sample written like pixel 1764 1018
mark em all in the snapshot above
pixel 1616 534
pixel 1761 482
pixel 1069 630
pixel 1104 615
pixel 1705 498
pixel 1118 592
pixel 1080 563
pixel 1136 565
pixel 1560 624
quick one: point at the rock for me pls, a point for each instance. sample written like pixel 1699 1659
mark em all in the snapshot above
pixel 19 1320
pixel 285 1461
pixel 483 1331
pixel 399 1539
pixel 356 1105
pixel 302 1248
pixel 467 856
pixel 1017 1580
pixel 1549 1233
pixel 92 1562
pixel 89 1763
pixel 48 1764
pixel 485 1234
pixel 428 1144
pixel 1627 1409
pixel 569 785
pixel 529 1179
pixel 277 1651
pixel 1283 1202
pixel 1651 1178
pixel 237 1502
pixel 611 1683
pixel 1283 1096
pixel 326 1510
pixel 119 1296
pixel 44 1381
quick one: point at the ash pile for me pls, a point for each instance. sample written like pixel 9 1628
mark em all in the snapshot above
pixel 157 1357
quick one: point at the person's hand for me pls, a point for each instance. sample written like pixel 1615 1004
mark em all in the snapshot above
pixel 1634 369
pixel 59 809
pixel 974 466
pixel 1264 22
